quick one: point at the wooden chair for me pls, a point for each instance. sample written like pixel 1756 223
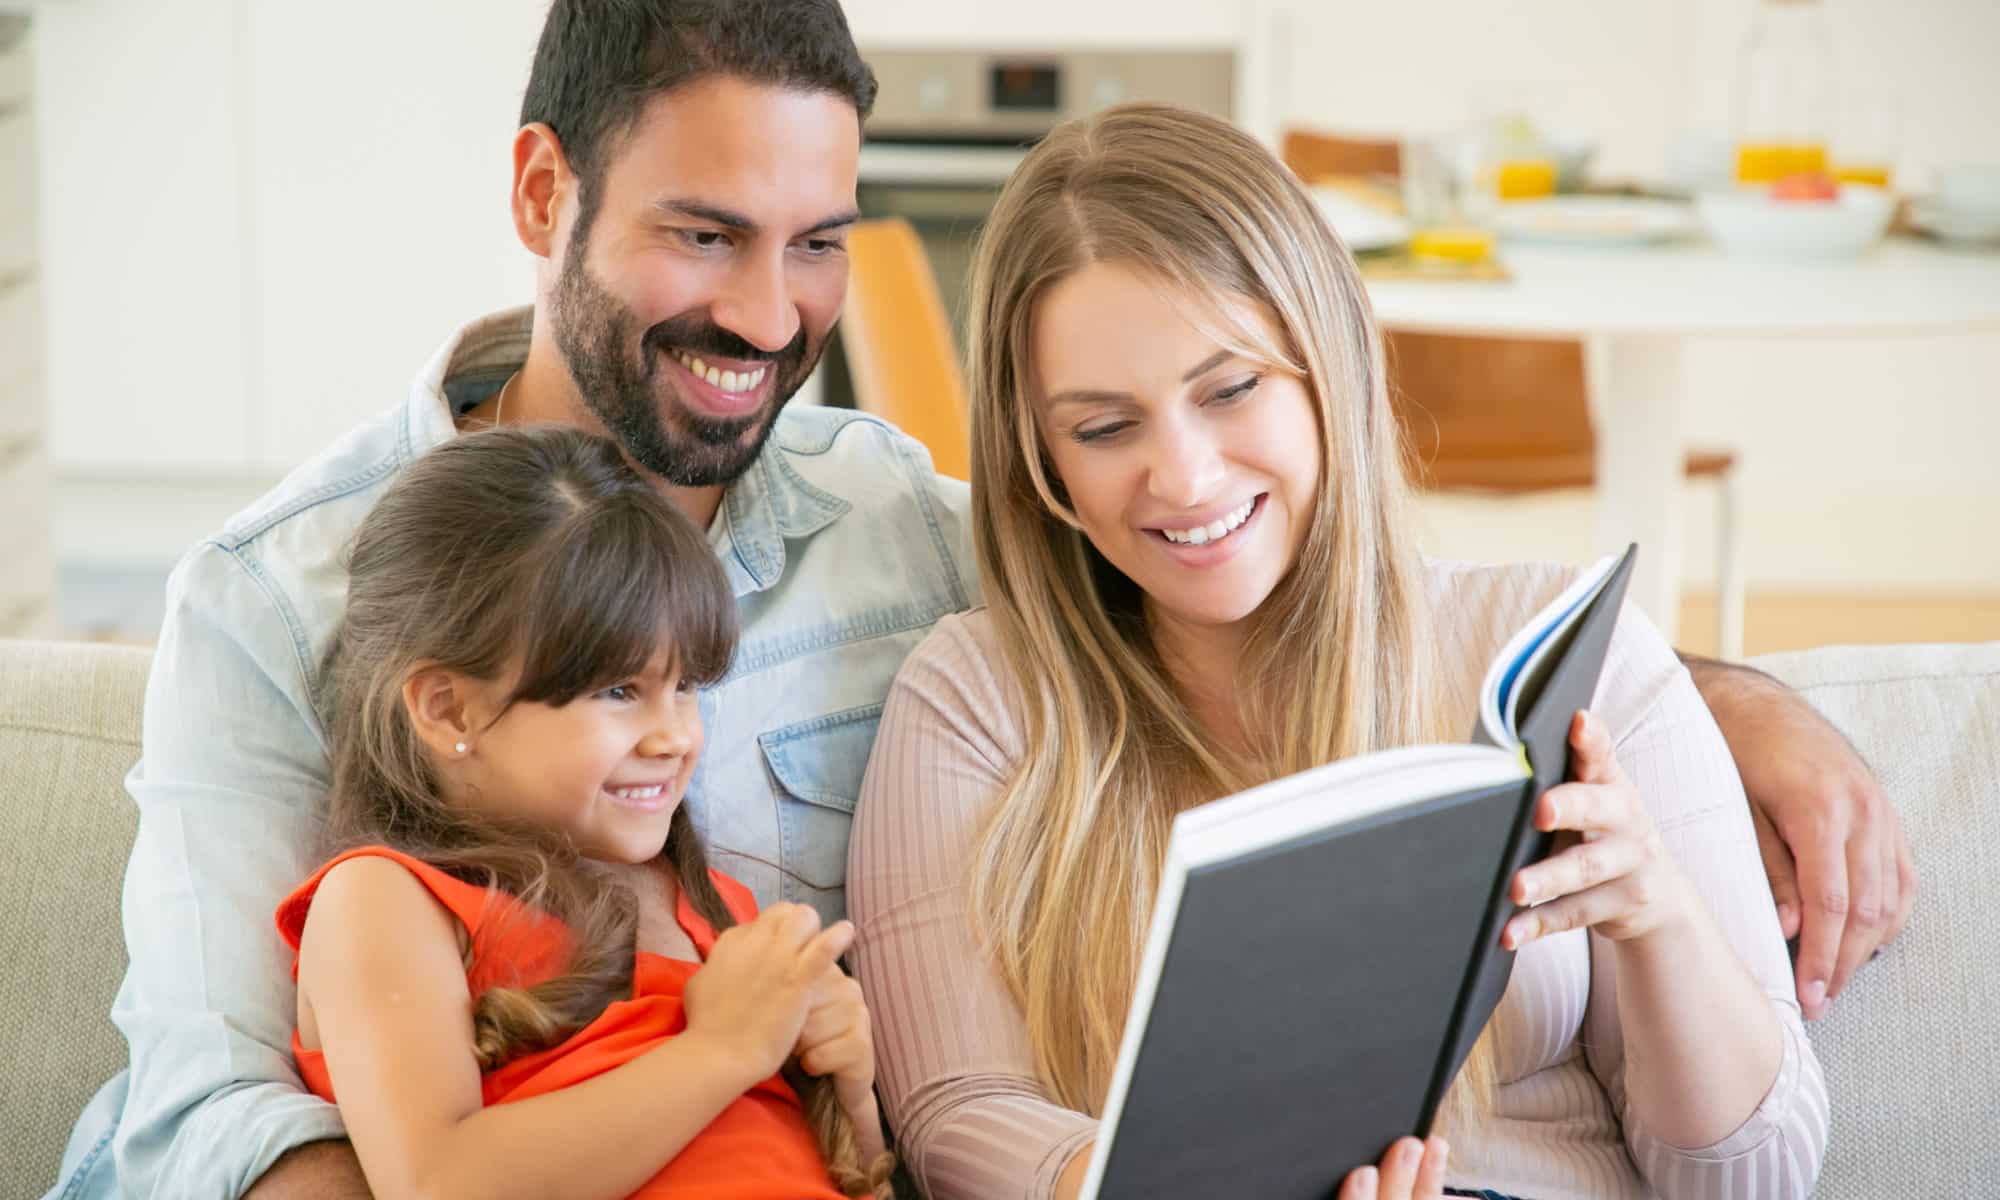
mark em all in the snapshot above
pixel 898 343
pixel 1508 416
pixel 1313 155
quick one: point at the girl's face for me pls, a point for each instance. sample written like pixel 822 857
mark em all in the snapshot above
pixel 608 768
pixel 1191 469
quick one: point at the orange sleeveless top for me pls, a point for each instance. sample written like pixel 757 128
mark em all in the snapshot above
pixel 759 1148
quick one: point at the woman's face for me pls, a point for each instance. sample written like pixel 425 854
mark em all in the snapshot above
pixel 1192 469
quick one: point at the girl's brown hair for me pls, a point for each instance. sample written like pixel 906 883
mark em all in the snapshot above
pixel 540 551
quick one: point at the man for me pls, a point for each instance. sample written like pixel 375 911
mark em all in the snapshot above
pixel 685 172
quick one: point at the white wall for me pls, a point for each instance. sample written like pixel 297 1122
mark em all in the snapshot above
pixel 260 218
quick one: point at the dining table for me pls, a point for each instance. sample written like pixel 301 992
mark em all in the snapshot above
pixel 1637 308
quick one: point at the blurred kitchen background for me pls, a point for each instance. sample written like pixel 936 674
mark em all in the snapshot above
pixel 231 229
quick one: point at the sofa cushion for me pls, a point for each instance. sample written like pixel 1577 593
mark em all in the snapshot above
pixel 1912 1046
pixel 69 730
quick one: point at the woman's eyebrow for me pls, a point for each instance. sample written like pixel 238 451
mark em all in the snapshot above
pixel 1099 396
pixel 1207 364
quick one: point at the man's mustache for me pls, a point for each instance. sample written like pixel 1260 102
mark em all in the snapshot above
pixel 698 335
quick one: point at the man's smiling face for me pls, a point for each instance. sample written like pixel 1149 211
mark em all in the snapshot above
pixel 699 283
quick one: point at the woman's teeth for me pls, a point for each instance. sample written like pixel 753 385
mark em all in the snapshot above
pixel 638 793
pixel 728 381
pixel 1214 531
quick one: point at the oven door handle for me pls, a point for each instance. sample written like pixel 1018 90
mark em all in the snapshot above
pixel 938 165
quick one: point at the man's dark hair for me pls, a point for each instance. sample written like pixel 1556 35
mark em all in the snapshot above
pixel 600 62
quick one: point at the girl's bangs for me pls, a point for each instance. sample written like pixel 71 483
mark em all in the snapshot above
pixel 616 592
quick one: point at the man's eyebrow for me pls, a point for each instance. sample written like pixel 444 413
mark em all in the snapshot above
pixel 837 221
pixel 731 219
pixel 727 218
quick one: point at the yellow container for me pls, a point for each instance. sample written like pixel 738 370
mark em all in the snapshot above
pixel 1763 162
pixel 1863 173
pixel 1452 244
pixel 1525 178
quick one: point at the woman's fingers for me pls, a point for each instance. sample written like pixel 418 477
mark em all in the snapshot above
pixel 1583 866
pixel 1430 1177
pixel 1411 1170
pixel 1625 908
pixel 1589 809
pixel 1361 1184
pixel 1399 1169
pixel 1592 758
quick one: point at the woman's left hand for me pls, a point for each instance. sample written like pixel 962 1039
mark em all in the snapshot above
pixel 1609 869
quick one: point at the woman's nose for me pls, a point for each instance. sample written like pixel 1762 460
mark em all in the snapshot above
pixel 1186 467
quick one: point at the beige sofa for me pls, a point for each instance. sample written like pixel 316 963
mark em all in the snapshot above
pixel 1911 1051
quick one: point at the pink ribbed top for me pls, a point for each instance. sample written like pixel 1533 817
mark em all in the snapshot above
pixel 954 1067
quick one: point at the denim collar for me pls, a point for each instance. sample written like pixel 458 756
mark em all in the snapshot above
pixel 765 505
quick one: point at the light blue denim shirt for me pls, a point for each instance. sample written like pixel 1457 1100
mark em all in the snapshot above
pixel 842 547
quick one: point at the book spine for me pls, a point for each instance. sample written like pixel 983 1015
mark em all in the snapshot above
pixel 1489 966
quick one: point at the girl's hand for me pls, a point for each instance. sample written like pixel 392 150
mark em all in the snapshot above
pixel 835 1041
pixel 1411 1170
pixel 1609 871
pixel 754 991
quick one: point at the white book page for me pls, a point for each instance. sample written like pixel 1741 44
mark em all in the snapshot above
pixel 1527 648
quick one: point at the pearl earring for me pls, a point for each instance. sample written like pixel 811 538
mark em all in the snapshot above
pixel 460 747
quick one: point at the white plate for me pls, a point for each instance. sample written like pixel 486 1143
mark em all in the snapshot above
pixel 1594 220
pixel 1362 226
pixel 1956 224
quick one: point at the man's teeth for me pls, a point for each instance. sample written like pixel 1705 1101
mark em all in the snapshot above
pixel 728 381
pixel 638 793
pixel 1214 531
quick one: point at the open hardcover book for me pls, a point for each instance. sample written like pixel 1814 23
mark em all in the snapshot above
pixel 1325 948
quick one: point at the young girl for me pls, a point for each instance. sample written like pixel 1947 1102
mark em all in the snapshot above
pixel 519 977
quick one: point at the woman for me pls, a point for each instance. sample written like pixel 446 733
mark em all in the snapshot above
pixel 1191 520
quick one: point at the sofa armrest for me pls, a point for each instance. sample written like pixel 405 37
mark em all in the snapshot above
pixel 1911 1047
pixel 69 730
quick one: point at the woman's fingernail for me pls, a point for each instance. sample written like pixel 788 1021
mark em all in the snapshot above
pixel 1440 1150
pixel 1785 912
pixel 1364 1183
pixel 1412 1153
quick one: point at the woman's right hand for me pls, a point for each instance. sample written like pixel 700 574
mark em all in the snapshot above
pixel 754 990
pixel 1410 1170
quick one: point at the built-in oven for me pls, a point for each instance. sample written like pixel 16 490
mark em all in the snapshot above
pixel 949 126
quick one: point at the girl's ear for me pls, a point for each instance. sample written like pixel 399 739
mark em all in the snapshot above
pixel 444 708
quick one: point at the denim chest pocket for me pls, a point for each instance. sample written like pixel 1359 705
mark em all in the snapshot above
pixel 817 765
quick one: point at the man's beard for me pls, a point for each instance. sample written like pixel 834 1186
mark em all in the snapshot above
pixel 617 371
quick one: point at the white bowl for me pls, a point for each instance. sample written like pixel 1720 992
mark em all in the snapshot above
pixel 1971 189
pixel 1751 222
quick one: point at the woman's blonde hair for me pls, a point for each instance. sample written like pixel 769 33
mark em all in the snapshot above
pixel 1338 660
pixel 538 551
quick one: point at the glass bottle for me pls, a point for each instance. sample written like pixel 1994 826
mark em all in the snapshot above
pixel 1784 92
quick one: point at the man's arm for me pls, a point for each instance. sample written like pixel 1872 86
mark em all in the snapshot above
pixel 228 787
pixel 1840 866
pixel 314 1171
